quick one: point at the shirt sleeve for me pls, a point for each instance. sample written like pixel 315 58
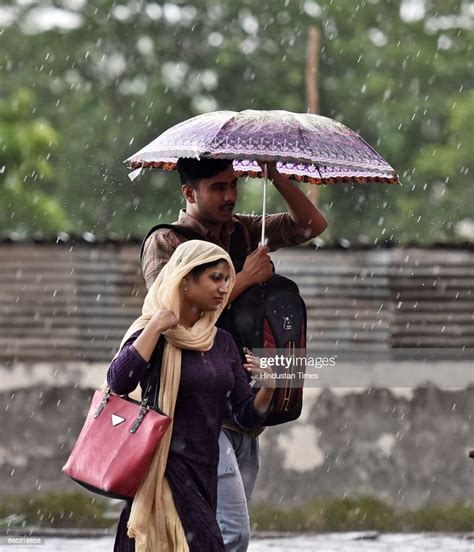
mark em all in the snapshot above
pixel 157 252
pixel 280 229
pixel 241 398
pixel 127 369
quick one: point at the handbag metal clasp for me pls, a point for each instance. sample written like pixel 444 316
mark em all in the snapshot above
pixel 139 420
pixel 103 402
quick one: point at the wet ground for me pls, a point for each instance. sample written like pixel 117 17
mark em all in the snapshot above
pixel 340 542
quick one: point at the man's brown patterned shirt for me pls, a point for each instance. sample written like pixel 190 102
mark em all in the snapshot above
pixel 280 230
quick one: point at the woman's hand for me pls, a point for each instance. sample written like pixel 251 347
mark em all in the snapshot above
pixel 163 320
pixel 263 398
pixel 264 375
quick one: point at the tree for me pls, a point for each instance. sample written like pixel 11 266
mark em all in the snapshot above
pixel 447 166
pixel 119 72
pixel 26 203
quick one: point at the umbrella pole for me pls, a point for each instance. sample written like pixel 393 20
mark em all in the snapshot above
pixel 264 207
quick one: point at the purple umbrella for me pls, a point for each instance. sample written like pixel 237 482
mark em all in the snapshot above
pixel 306 147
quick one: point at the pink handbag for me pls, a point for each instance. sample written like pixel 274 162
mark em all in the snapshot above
pixel 115 448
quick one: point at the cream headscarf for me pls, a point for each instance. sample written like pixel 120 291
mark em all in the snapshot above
pixel 154 522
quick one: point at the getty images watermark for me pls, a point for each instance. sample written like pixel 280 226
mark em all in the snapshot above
pixel 294 367
pixel 410 367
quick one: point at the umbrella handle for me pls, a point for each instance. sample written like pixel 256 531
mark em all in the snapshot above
pixel 264 207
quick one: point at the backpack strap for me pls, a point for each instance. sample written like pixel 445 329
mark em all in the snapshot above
pixel 239 248
pixel 238 243
pixel 186 232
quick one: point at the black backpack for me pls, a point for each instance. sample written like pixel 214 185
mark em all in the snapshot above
pixel 271 315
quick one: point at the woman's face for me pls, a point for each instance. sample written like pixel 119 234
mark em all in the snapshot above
pixel 211 289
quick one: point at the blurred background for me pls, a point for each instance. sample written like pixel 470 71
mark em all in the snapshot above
pixel 83 85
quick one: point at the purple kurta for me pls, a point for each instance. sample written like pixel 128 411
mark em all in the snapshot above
pixel 210 382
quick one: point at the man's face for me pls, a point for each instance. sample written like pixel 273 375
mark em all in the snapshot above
pixel 214 198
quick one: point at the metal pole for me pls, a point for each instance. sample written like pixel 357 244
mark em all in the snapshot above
pixel 264 207
pixel 312 85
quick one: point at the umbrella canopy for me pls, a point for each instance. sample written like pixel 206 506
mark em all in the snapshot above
pixel 306 147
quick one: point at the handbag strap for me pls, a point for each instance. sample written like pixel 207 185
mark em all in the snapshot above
pixel 152 391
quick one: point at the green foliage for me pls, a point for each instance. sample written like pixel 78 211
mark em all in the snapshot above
pixel 268 518
pixel 344 514
pixel 452 518
pixel 125 71
pixel 72 509
pixel 361 514
pixel 26 204
pixel 81 510
pixel 448 167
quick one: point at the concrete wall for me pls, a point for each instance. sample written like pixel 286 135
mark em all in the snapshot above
pixel 406 446
pixel 64 309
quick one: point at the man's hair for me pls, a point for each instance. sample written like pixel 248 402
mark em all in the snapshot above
pixel 191 171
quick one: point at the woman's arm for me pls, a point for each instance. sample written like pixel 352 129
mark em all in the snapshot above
pixel 129 367
pixel 264 395
pixel 161 321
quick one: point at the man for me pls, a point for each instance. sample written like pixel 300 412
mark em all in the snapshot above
pixel 210 189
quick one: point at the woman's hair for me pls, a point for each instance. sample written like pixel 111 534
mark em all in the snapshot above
pixel 191 170
pixel 196 272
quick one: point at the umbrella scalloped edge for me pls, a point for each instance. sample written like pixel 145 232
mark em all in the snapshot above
pixel 366 179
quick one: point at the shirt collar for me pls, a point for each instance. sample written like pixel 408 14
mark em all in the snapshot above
pixel 188 220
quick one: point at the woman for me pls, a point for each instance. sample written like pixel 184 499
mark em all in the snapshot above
pixel 174 509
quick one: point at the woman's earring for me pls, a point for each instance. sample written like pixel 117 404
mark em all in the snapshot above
pixel 185 288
